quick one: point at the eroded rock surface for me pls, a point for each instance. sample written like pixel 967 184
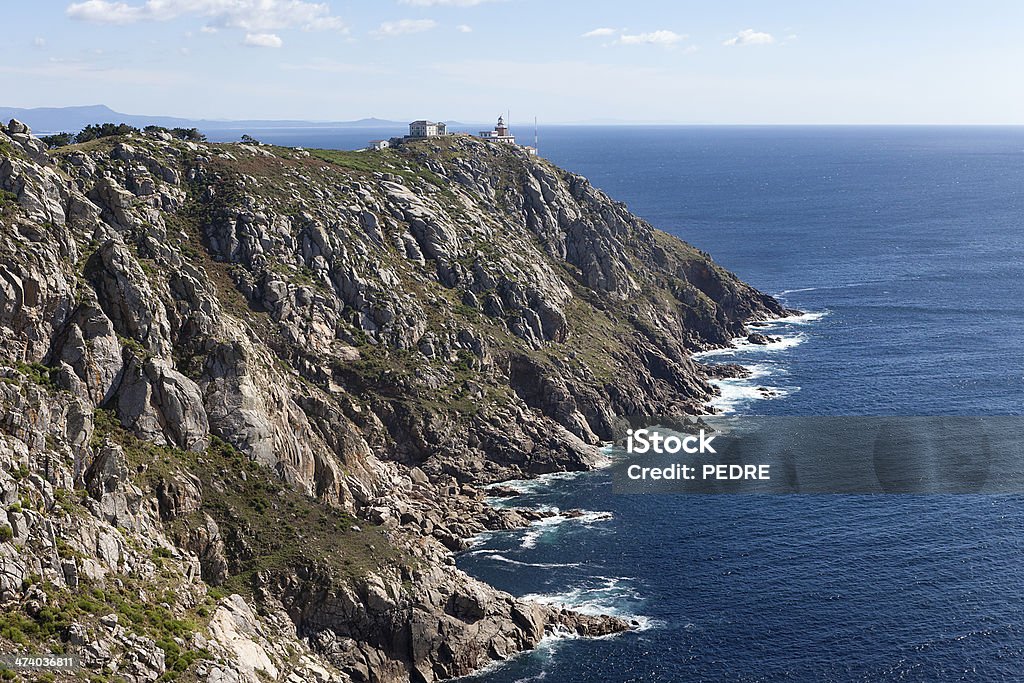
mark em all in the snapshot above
pixel 250 396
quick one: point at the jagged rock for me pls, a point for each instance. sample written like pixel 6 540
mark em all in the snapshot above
pixel 726 370
pixel 502 491
pixel 469 605
pixel 236 628
pixel 419 477
pixel 382 345
pixel 90 346
pixel 178 496
pixel 128 299
pixel 108 473
pixel 70 571
pixel 206 541
pixel 160 404
pixel 119 501
pixel 761 339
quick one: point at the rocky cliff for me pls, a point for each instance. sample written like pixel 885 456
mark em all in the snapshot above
pixel 249 394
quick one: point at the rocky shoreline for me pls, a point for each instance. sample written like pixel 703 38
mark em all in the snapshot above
pixel 250 396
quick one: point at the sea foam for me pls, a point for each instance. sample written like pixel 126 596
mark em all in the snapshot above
pixel 735 392
pixel 545 526
pixel 612 595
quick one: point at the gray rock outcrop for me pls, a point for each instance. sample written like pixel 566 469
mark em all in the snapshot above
pixel 249 396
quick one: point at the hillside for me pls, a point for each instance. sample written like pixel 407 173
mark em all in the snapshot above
pixel 250 395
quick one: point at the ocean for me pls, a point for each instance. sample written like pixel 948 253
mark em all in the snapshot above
pixel 905 247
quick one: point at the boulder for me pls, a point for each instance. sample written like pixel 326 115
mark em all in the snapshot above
pixel 16 127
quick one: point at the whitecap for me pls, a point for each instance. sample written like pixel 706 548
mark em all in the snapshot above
pixel 498 557
pixel 801 319
pixel 734 393
pixel 741 345
pixel 534 485
pixel 541 527
pixel 757 371
pixel 560 476
pixel 614 596
pixel 530 539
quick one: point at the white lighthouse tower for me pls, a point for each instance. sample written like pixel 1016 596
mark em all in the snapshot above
pixel 500 133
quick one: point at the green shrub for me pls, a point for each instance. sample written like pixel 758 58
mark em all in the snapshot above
pixel 191 134
pixel 58 140
pixel 104 130
pixel 38 373
pixel 6 533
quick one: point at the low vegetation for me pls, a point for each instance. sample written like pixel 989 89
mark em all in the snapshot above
pixel 107 130
pixel 270 527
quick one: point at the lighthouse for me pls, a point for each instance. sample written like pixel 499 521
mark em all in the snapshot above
pixel 500 133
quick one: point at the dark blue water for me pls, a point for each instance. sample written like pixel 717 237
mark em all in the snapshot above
pixel 908 244
pixel 911 238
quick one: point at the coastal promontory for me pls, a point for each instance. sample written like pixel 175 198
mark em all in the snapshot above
pixel 250 396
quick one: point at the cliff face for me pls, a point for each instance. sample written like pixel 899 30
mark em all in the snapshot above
pixel 248 394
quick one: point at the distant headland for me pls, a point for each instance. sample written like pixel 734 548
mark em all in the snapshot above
pixel 62 119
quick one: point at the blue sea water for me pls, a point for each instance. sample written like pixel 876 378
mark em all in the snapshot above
pixel 907 245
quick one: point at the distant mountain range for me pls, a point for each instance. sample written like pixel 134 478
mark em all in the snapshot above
pixel 73 119
pixel 45 120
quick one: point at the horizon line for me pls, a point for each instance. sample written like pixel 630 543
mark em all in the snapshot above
pixel 327 124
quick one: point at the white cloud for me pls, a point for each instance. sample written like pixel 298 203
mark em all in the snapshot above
pixel 39 42
pixel 664 38
pixel 404 27
pixel 444 3
pixel 249 15
pixel 464 28
pixel 263 40
pixel 104 12
pixel 749 36
pixel 600 32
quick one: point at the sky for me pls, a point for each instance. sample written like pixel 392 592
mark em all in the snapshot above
pixel 563 61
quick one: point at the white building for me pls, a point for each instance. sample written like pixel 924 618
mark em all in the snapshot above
pixel 379 144
pixel 500 133
pixel 427 129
